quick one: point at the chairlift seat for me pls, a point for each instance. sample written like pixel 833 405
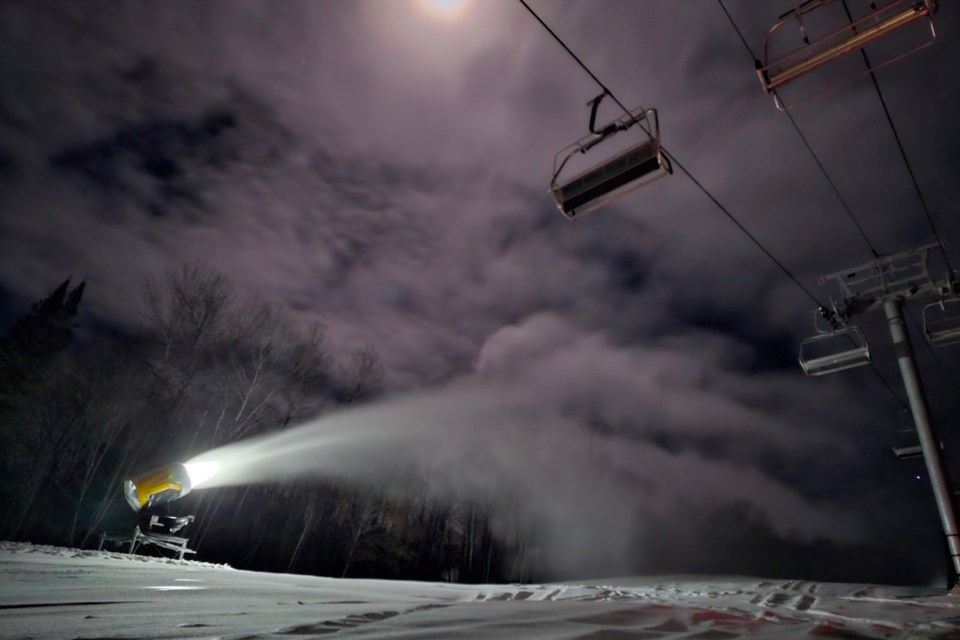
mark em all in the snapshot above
pixel 941 322
pixel 633 168
pixel 908 453
pixel 906 444
pixel 834 351
pixel 817 51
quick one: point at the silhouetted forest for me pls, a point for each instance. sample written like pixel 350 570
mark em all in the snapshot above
pixel 206 367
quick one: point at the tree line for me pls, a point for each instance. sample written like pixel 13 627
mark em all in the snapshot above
pixel 208 366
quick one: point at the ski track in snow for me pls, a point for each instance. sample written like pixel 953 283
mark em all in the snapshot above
pixel 55 592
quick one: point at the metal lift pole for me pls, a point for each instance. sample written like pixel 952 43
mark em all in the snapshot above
pixel 893 307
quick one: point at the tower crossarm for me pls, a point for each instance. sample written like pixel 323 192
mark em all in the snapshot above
pixel 897 276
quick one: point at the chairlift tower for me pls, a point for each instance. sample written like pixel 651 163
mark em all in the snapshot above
pixel 887 283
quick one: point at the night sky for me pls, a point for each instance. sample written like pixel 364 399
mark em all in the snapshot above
pixel 383 169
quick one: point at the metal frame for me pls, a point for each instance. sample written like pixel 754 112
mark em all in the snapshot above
pixel 854 35
pixel 177 544
pixel 647 156
pixel 903 275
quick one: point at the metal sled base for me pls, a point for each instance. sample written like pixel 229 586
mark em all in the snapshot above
pixel 167 541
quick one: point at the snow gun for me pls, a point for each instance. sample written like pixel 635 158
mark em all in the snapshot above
pixel 157 486
pixel 166 484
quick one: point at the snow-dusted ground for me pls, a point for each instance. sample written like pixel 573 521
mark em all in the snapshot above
pixel 52 592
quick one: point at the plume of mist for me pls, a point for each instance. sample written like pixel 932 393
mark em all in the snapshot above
pixel 585 494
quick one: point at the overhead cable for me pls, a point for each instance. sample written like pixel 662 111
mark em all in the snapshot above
pixel 676 162
pixel 803 138
pixel 693 179
pixel 903 153
pixel 826 175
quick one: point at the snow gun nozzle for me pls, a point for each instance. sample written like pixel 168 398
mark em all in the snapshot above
pixel 166 484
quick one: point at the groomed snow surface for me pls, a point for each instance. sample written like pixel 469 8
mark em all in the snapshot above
pixel 53 592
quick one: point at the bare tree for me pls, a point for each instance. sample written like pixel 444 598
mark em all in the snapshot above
pixel 360 513
pixel 187 306
pixel 363 380
pixel 186 310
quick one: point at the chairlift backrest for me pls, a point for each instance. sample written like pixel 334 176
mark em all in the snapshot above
pixel 833 351
pixel 816 51
pixel 941 322
pixel 615 176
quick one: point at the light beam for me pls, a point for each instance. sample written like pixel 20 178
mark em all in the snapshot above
pixel 200 472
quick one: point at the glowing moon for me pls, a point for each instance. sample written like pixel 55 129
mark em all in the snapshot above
pixel 449 9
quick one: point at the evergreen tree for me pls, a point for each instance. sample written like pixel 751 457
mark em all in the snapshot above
pixel 48 327
pixel 34 339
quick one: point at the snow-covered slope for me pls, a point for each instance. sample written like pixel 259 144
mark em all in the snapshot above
pixel 51 592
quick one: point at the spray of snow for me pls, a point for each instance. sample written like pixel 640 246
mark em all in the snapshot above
pixel 531 467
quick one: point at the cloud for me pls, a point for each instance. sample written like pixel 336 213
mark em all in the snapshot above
pixel 584 496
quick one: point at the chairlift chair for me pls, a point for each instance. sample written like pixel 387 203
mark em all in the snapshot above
pixel 907 451
pixel 633 168
pixel 906 442
pixel 837 349
pixel 848 38
pixel 941 322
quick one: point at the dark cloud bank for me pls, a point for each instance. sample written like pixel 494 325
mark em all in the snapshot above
pixel 386 175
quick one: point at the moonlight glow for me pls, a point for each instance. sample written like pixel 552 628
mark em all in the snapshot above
pixel 450 9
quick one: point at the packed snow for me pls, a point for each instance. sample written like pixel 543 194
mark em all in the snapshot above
pixel 54 592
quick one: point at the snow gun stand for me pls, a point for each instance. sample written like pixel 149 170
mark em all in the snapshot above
pixel 157 530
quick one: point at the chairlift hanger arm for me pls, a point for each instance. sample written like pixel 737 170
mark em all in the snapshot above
pixel 809 5
pixel 833 317
pixel 620 124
